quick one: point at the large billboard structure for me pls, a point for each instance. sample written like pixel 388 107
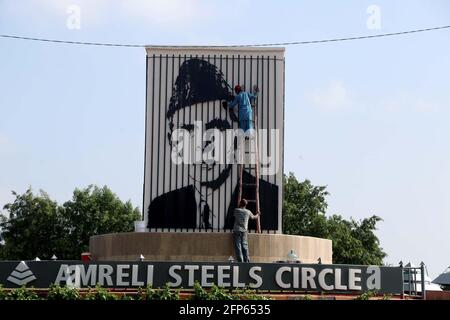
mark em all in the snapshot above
pixel 187 90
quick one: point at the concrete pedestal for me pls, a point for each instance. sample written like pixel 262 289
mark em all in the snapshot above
pixel 205 247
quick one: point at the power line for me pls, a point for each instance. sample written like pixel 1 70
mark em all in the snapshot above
pixel 351 38
pixel 74 42
pixel 293 43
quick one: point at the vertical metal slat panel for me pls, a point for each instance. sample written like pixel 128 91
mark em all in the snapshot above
pixel 161 176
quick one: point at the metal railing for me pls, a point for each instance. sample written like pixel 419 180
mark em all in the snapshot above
pixel 414 281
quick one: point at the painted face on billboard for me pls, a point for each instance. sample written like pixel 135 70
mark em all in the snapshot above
pixel 196 106
pixel 212 119
pixel 202 192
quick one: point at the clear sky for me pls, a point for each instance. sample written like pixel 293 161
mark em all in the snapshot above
pixel 368 118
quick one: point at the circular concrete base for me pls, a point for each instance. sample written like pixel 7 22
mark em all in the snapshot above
pixel 205 247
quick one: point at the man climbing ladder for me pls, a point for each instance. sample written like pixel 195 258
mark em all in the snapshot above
pixel 247 122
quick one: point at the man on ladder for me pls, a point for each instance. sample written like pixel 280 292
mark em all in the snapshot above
pixel 243 100
pixel 247 123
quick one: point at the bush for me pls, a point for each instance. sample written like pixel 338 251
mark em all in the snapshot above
pixel 3 293
pixel 214 293
pixel 217 293
pixel 63 293
pixel 248 294
pixel 366 295
pixel 147 294
pixel 160 294
pixel 127 297
pixel 101 294
pixel 22 293
pixel 57 292
pixel 199 292
pixel 220 293
pixel 167 294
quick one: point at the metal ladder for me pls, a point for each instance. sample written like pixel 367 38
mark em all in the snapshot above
pixel 250 190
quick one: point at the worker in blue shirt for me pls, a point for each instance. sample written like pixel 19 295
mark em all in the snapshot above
pixel 243 100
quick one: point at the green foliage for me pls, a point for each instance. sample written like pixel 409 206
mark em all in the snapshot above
pixel 148 293
pixel 21 293
pixel 95 211
pixel 160 294
pixel 35 227
pixel 304 206
pixel 3 293
pixel 248 294
pixel 57 292
pixel 307 297
pixel 101 294
pixel 219 293
pixel 214 293
pixel 354 242
pixel 143 294
pixel 38 227
pixel 366 295
pixel 199 292
pixel 127 297
pixel 63 293
pixel 167 294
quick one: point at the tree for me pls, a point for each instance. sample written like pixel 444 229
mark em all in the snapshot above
pixel 304 207
pixel 93 211
pixel 38 227
pixel 34 227
pixel 354 242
